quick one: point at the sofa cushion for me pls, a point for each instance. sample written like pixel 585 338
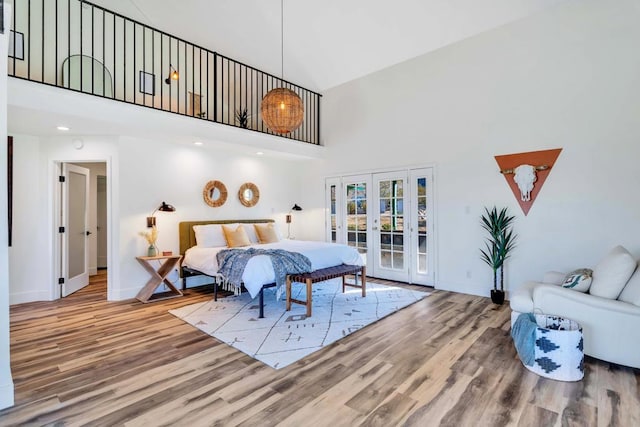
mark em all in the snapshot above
pixel 578 280
pixel 631 291
pixel 612 273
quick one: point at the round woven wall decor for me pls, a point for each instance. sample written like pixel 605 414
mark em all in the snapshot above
pixel 214 194
pixel 282 110
pixel 248 194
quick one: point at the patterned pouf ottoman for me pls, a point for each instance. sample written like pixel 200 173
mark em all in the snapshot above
pixel 550 346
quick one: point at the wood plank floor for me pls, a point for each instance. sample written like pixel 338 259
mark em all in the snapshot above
pixel 446 360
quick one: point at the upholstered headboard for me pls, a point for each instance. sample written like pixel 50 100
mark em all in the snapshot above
pixel 188 236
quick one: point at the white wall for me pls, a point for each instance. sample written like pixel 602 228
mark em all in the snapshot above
pixel 568 78
pixel 6 382
pixel 142 173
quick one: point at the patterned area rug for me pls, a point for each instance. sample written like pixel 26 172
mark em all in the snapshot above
pixel 284 337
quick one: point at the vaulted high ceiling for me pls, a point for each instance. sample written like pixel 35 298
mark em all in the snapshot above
pixel 326 42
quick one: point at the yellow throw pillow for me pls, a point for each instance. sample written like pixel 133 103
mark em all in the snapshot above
pixel 236 238
pixel 266 233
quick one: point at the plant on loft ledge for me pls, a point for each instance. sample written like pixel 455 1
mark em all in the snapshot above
pixel 242 117
pixel 499 244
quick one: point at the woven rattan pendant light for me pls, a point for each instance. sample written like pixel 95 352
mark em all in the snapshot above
pixel 281 109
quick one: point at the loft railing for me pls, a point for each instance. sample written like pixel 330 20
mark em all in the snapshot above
pixel 83 47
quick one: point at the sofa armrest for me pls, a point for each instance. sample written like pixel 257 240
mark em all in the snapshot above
pixel 611 328
pixel 553 277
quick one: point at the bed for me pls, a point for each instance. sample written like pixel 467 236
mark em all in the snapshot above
pixel 200 241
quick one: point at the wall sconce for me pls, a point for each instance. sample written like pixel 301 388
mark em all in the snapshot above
pixel 288 218
pixel 164 207
pixel 173 75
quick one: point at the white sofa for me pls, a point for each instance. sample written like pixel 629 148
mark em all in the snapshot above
pixel 609 312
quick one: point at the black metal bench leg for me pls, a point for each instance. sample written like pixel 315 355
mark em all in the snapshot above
pixel 215 289
pixel 261 316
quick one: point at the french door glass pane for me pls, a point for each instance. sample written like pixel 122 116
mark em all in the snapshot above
pixel 333 202
pixel 357 215
pixel 422 225
pixel 391 223
pixel 76 211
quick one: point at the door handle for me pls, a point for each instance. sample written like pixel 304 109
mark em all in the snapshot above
pixel 88 233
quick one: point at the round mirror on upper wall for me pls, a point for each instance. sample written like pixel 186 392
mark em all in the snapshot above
pixel 214 194
pixel 248 194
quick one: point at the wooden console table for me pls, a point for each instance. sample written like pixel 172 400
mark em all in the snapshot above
pixel 158 277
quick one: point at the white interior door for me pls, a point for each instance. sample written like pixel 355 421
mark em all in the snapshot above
pixel 75 208
pixel 390 233
pixel 422 258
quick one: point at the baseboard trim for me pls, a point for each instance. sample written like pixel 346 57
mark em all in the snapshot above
pixel 129 293
pixel 6 394
pixel 23 297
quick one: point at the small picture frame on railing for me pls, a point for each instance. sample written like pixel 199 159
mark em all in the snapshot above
pixel 147 83
pixel 16 45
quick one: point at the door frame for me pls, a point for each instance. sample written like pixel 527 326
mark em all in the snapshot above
pixel 54 203
pixel 339 177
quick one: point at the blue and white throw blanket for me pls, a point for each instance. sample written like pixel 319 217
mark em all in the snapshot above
pixel 523 333
pixel 232 262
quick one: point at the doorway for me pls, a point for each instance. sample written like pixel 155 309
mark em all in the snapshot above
pixel 82 216
pixel 389 217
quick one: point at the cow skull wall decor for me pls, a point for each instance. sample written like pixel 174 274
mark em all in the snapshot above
pixel 526 173
pixel 525 176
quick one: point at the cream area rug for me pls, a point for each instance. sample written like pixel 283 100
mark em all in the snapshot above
pixel 283 337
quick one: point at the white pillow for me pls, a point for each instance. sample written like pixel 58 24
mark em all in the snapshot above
pixel 209 236
pixel 631 291
pixel 612 273
pixel 578 280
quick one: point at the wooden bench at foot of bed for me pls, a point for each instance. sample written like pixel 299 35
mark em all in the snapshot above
pixel 326 274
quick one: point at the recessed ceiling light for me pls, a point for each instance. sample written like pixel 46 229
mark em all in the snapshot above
pixel 259 153
pixel 197 143
pixel 64 128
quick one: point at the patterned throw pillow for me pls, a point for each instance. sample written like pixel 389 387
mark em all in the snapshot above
pixel 578 280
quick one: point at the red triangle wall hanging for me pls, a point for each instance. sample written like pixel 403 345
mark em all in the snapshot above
pixel 540 163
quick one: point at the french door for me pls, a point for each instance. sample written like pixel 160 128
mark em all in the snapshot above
pixel 390 234
pixel 388 216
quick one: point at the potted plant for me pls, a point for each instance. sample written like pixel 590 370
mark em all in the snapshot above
pixel 499 244
pixel 242 117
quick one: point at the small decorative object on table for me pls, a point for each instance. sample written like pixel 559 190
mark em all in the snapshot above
pixel 151 237
pixel 499 244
